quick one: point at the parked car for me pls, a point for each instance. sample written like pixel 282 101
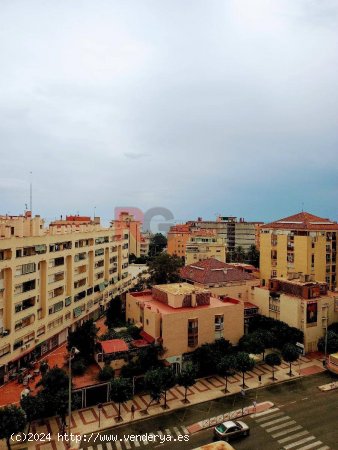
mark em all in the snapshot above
pixel 231 429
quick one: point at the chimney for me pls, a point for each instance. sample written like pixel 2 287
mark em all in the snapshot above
pixel 193 299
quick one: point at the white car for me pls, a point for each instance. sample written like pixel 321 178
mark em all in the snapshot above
pixel 231 429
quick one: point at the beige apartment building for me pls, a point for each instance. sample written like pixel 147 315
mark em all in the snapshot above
pixel 235 232
pixel 301 303
pixel 302 243
pixel 52 279
pixel 182 317
pixel 204 245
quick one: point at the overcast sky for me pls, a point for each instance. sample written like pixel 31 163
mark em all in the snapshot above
pixel 201 107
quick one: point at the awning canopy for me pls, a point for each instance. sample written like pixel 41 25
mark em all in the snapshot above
pixel 147 337
pixel 114 346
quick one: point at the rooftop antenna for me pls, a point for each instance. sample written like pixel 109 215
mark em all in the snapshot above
pixel 94 211
pixel 302 206
pixel 31 194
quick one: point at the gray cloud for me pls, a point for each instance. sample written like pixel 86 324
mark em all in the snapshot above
pixel 201 107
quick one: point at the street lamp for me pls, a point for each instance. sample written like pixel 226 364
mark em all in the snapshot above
pixel 73 351
pixel 326 324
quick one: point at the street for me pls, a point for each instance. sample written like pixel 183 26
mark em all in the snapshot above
pixel 302 418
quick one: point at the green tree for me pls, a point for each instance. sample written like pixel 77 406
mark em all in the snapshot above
pixel 114 315
pixel 244 364
pixel 252 256
pixel 332 343
pixel 153 384
pixel 121 391
pixel 207 356
pixel 33 407
pixel 290 354
pixel 106 373
pixel 55 385
pixel 252 343
pixel 168 381
pixel 12 421
pixel 164 269
pixel 187 378
pixel 273 360
pixel 84 339
pixel 226 368
pixel 238 255
pixel 157 244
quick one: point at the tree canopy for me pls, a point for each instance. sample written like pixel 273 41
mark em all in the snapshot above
pixel 84 339
pixel 187 378
pixel 12 421
pixel 164 269
pixel 290 354
pixel 157 243
pixel 120 392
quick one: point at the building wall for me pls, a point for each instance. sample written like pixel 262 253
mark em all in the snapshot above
pixel 293 311
pixel 177 243
pixel 310 256
pixel 175 325
pixel 57 290
pixel 206 251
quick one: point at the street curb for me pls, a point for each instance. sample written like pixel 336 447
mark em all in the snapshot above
pixel 221 394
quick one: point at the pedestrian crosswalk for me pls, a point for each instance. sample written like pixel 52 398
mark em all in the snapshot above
pixel 287 432
pixel 117 442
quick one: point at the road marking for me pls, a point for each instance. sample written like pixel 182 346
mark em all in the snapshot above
pixel 168 432
pixel 177 431
pixel 314 444
pixel 109 446
pixel 185 430
pixel 283 425
pixel 324 448
pixel 293 436
pixel 289 430
pixel 269 417
pixel 118 445
pixel 137 444
pixel 99 447
pixel 302 441
pixel 263 413
pixel 160 433
pixel 127 444
pixel 272 422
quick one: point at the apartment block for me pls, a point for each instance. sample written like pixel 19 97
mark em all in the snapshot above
pixel 195 245
pixel 303 244
pixel 52 278
pixel 302 303
pixel 182 317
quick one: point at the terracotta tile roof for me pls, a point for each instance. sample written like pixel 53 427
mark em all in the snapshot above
pixel 302 221
pixel 179 229
pixel 211 271
pixel 248 305
pixel 113 346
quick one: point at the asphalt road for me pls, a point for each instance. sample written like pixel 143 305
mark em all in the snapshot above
pixel 300 410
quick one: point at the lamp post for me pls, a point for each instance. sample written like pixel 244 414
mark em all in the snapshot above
pixel 73 351
pixel 326 323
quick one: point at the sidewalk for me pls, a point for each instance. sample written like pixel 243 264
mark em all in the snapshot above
pixel 86 420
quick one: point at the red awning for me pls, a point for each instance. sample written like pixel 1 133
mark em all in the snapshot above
pixel 147 337
pixel 114 346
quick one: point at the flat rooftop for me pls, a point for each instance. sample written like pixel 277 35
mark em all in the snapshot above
pixel 180 288
pixel 154 305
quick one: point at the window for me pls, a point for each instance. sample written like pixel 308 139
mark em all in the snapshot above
pixel 5 350
pixel 192 332
pixel 41 331
pixel 219 325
